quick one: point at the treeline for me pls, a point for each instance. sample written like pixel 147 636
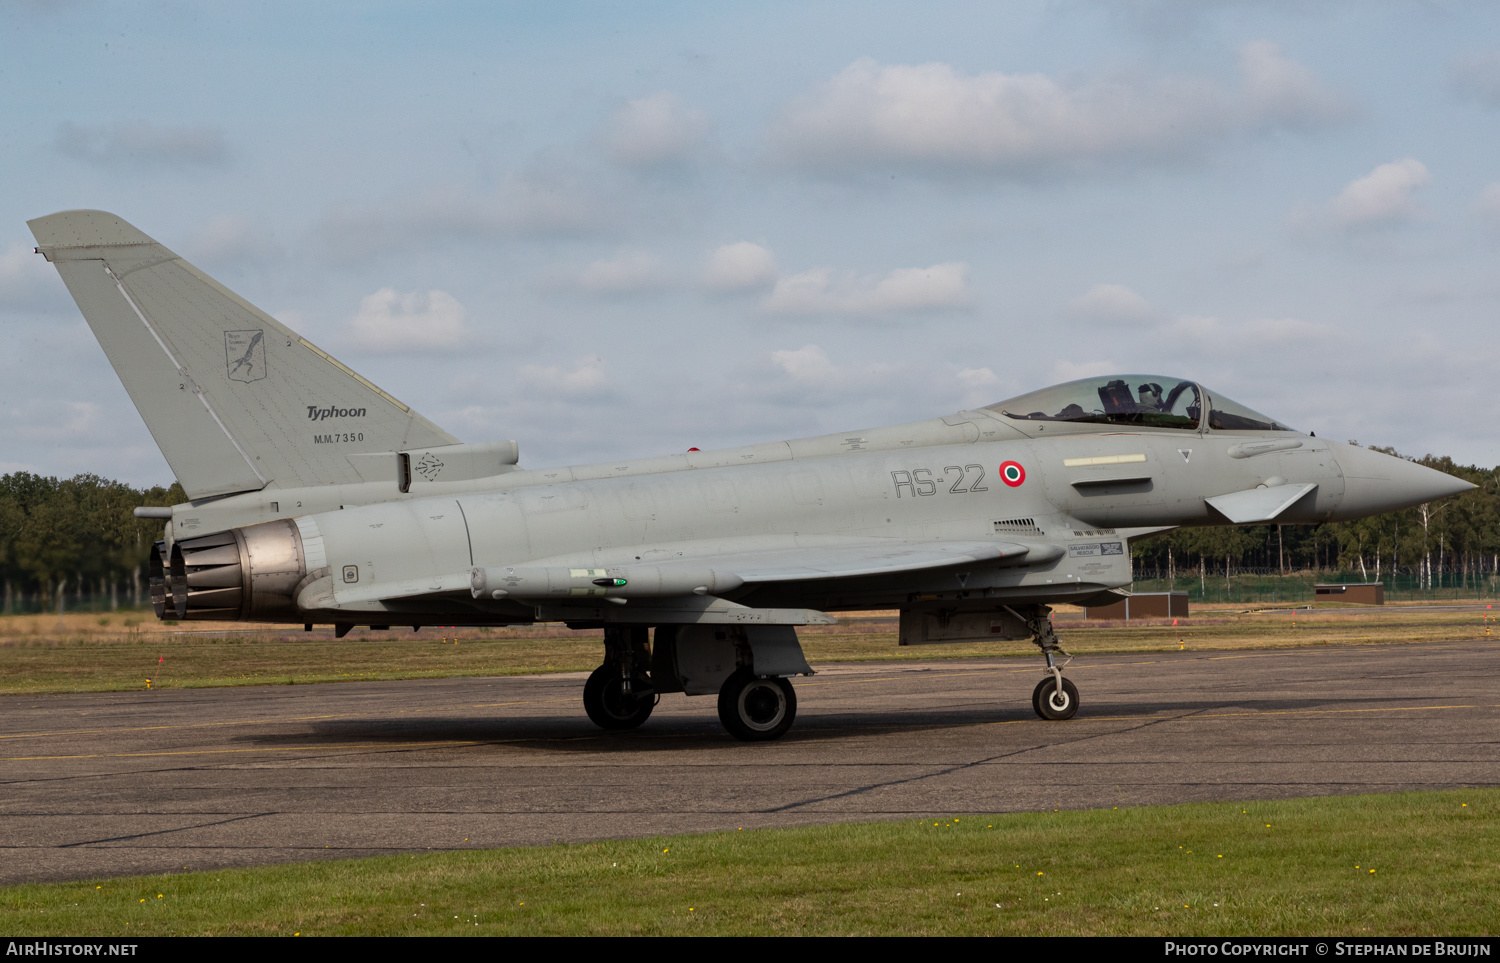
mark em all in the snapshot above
pixel 74 541
pixel 1457 538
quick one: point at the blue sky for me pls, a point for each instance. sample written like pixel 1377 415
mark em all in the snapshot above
pixel 621 229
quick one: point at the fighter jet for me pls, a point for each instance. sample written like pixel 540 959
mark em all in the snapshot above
pixel 315 497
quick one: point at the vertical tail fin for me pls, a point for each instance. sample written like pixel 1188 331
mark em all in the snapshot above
pixel 235 400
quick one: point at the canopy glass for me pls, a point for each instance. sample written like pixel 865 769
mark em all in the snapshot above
pixel 1141 401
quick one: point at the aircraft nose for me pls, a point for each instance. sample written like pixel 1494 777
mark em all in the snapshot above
pixel 1375 482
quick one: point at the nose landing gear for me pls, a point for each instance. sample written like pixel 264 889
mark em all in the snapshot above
pixel 1054 698
pixel 1051 704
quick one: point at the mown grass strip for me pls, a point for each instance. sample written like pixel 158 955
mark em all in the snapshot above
pixel 93 654
pixel 1415 864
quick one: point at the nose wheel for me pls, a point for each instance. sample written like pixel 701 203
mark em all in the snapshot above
pixel 1052 703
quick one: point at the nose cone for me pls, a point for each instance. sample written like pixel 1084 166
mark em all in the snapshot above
pixel 1376 482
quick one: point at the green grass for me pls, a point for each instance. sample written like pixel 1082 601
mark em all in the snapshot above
pixel 1415 864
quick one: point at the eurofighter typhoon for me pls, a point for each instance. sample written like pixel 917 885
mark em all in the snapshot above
pixel 317 498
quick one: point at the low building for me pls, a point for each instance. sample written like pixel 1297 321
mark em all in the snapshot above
pixel 1142 605
pixel 1359 593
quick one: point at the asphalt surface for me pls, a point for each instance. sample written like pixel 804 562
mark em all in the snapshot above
pixel 158 781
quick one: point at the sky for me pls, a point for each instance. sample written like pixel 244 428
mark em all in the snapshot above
pixel 611 230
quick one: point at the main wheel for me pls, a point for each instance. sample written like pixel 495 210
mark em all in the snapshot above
pixel 756 710
pixel 609 706
pixel 1050 704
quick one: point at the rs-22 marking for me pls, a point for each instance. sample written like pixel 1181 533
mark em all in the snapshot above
pixel 920 481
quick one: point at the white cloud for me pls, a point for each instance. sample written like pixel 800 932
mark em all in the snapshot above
pixel 141 142
pixel 980 386
pixel 1488 203
pixel 388 321
pixel 806 374
pixel 586 380
pixel 1111 303
pixel 1478 76
pixel 654 130
pixel 808 364
pixel 742 266
pixel 819 291
pixel 828 393
pixel 299 321
pixel 1276 91
pixel 629 272
pixel 1204 347
pixel 1382 197
pixel 930 115
pixel 977 377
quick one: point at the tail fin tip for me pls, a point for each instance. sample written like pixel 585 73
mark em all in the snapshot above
pixel 85 228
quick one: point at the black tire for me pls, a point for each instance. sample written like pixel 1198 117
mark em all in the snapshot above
pixel 1054 709
pixel 611 708
pixel 756 710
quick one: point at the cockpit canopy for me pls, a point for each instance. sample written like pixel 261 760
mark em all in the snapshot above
pixel 1139 401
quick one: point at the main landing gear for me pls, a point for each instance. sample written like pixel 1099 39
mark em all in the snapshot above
pixel 618 694
pixel 754 709
pixel 609 705
pixel 1054 698
pixel 756 701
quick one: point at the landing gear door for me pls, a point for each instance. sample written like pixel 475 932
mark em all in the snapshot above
pixel 930 626
pixel 706 655
pixel 775 651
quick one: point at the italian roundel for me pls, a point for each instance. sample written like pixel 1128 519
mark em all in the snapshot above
pixel 1012 473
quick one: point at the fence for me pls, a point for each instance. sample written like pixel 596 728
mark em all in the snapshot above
pixel 1244 585
pixel 1298 587
pixel 92 598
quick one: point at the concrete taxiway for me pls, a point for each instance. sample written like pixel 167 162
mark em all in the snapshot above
pixel 158 781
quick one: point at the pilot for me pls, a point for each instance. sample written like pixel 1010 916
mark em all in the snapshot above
pixel 1150 395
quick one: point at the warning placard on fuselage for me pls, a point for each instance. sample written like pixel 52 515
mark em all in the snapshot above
pixel 1096 549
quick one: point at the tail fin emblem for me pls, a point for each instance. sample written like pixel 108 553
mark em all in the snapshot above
pixel 245 355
